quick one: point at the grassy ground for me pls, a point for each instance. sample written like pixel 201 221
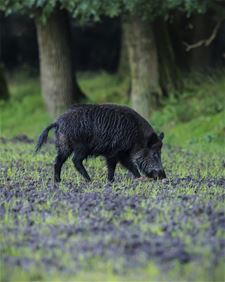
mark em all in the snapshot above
pixel 133 230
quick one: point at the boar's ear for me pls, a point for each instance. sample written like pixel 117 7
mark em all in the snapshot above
pixel 153 139
pixel 161 136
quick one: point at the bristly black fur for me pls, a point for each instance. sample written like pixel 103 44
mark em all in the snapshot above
pixel 44 136
pixel 116 132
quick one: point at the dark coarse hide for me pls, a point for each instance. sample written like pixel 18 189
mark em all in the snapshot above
pixel 116 132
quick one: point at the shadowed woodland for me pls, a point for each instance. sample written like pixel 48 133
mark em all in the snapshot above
pixel 164 59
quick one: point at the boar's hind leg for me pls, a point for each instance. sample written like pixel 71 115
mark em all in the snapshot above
pixel 59 161
pixel 78 157
pixel 128 164
pixel 111 164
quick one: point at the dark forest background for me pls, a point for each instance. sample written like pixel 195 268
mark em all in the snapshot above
pixel 97 46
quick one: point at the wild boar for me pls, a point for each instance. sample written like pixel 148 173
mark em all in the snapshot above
pixel 117 133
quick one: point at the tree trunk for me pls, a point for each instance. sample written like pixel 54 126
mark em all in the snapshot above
pixel 123 67
pixel 59 86
pixel 143 60
pixel 170 77
pixel 4 91
pixel 123 70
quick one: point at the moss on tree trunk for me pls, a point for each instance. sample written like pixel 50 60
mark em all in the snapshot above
pixel 59 86
pixel 143 61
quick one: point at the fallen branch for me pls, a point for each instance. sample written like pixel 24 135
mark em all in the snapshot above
pixel 204 42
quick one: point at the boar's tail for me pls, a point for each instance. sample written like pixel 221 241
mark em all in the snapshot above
pixel 44 136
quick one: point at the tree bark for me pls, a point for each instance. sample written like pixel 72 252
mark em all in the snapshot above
pixel 59 86
pixel 170 77
pixel 4 91
pixel 143 60
pixel 123 67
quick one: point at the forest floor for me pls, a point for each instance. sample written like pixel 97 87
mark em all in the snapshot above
pixel 131 230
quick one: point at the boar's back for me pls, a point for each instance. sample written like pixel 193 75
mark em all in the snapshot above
pixel 104 129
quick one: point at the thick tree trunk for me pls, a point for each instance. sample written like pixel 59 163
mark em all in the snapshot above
pixel 59 86
pixel 4 91
pixel 143 60
pixel 170 77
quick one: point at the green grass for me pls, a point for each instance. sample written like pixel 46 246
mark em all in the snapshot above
pixel 186 220
pixel 104 88
pixel 196 120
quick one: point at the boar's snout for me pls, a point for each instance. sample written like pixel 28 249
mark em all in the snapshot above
pixel 157 174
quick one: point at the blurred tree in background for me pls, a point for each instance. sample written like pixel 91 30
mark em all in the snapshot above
pixel 58 81
pixel 157 39
pixel 59 86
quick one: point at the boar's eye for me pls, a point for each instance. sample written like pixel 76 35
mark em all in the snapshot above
pixel 153 139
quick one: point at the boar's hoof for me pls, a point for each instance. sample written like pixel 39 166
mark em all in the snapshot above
pixel 57 179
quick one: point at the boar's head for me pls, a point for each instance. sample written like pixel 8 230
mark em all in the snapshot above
pixel 148 158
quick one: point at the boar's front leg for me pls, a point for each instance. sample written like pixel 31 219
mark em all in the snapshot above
pixel 111 164
pixel 128 164
pixel 78 157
